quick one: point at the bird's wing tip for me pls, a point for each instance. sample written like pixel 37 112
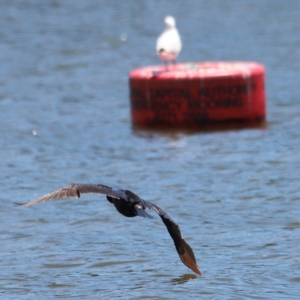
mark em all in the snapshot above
pixel 198 272
pixel 190 264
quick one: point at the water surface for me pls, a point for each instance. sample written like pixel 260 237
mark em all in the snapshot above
pixel 65 118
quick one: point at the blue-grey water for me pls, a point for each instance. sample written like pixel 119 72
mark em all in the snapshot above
pixel 65 118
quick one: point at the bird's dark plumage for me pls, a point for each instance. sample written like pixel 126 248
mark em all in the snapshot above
pixel 130 205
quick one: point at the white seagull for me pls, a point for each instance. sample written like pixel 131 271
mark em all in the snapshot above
pixel 168 44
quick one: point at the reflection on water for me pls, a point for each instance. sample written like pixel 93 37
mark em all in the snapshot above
pixel 65 118
pixel 205 128
pixel 184 278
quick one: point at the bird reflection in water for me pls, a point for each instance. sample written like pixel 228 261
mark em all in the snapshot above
pixel 182 279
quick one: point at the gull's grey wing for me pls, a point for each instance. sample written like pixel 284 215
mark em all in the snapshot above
pixel 74 191
pixel 184 250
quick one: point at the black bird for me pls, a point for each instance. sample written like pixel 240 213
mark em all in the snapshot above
pixel 130 205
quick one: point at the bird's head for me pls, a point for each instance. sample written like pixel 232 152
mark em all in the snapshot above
pixel 170 22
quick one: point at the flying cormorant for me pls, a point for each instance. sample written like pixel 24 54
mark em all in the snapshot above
pixel 130 205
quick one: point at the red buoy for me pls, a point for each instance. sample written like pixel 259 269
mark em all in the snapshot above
pixel 198 94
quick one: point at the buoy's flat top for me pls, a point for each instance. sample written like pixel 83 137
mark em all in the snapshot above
pixel 199 70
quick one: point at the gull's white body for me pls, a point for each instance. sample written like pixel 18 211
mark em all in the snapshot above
pixel 168 44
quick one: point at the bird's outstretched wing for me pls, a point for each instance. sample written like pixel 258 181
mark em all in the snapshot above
pixel 184 250
pixel 74 191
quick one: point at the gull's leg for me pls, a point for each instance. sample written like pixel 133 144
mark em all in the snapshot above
pixel 174 63
pixel 166 65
